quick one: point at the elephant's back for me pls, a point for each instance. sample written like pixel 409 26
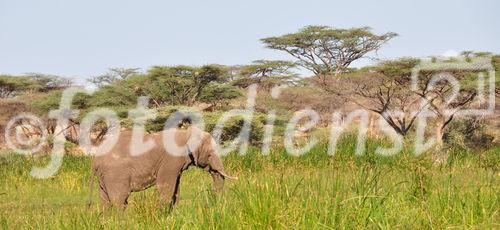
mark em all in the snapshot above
pixel 120 154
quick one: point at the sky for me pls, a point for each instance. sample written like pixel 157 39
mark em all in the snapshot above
pixel 81 39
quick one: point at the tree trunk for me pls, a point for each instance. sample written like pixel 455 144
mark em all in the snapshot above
pixel 439 134
pixel 440 155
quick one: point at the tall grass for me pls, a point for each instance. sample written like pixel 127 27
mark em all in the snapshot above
pixel 276 191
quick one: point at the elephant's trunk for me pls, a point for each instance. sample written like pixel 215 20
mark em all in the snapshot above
pixel 218 185
pixel 217 172
pixel 216 165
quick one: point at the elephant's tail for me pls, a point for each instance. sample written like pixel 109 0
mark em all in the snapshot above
pixel 91 187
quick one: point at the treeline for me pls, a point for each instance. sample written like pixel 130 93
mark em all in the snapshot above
pixel 326 52
pixel 11 86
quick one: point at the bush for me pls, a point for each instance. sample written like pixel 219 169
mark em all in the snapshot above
pixel 219 94
pixel 233 126
pixel 119 94
pixel 51 101
pixel 231 129
pixel 468 134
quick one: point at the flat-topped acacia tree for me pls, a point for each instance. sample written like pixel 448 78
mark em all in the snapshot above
pixel 266 73
pixel 328 51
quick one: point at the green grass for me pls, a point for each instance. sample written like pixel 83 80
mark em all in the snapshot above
pixel 314 191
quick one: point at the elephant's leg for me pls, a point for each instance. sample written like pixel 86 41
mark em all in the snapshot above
pixel 117 190
pixel 104 197
pixel 176 190
pixel 119 197
pixel 168 186
pixel 218 185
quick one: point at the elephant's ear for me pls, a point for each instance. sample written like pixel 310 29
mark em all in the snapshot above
pixel 195 139
pixel 180 142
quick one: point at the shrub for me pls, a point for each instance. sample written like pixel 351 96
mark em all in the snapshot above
pixel 51 101
pixel 231 128
pixel 11 86
pixel 468 134
pixel 219 94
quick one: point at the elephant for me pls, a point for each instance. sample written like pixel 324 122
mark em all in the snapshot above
pixel 120 172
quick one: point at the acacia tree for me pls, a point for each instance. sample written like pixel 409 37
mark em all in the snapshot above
pixel 11 85
pixel 180 84
pixel 48 82
pixel 113 75
pixel 382 89
pixel 495 60
pixel 437 96
pixel 328 51
pixel 266 73
pixel 386 89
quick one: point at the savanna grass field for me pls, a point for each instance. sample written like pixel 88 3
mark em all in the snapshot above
pixel 317 114
pixel 278 191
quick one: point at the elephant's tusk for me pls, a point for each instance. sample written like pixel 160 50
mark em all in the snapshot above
pixel 228 177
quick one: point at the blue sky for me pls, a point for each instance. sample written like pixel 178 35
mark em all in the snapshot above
pixel 84 38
